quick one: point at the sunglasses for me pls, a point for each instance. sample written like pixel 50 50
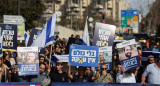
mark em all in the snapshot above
pixel 103 68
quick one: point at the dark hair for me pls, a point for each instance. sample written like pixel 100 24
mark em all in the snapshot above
pixel 88 67
pixel 158 59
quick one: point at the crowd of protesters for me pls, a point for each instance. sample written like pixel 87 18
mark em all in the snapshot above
pixel 149 72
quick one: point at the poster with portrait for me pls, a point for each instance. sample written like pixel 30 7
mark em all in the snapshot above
pixel 28 62
pixel 105 56
pixel 9 36
pixel 128 54
pixel 83 55
pixel 103 34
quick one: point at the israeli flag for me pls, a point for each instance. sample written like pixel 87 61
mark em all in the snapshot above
pixel 86 34
pixel 46 36
pixel 26 37
pixel 1 39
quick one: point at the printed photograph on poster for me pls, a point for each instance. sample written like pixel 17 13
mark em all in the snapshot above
pixel 128 54
pixel 103 34
pixel 105 54
pixel 127 49
pixel 28 62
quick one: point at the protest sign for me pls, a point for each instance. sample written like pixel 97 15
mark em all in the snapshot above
pixel 9 36
pixel 1 39
pixel 83 55
pixel 103 35
pixel 33 36
pixel 28 62
pixel 105 56
pixel 128 54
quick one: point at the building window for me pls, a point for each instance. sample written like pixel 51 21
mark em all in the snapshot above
pixel 99 1
pixel 75 1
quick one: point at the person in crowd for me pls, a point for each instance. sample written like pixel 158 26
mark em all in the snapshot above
pixel 59 75
pixel 88 71
pixel 3 71
pixel 152 71
pixel 11 58
pixel 139 70
pixel 41 58
pixel 128 51
pixel 116 37
pixel 150 59
pixel 81 75
pixel 104 77
pixel 43 78
pixel 125 77
pixel 31 58
pixel 47 52
pixel 101 58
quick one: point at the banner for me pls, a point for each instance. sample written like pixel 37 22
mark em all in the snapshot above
pixel 105 56
pixel 103 35
pixel 28 61
pixel 9 36
pixel 146 54
pixel 19 84
pixel 21 29
pixel 33 36
pixel 83 55
pixel 102 84
pixel 73 41
pixel 1 39
pixel 128 54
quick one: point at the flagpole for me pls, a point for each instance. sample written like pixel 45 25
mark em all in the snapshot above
pixel 50 56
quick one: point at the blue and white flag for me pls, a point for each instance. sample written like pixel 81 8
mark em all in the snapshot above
pixel 1 39
pixel 26 37
pixel 46 36
pixel 86 35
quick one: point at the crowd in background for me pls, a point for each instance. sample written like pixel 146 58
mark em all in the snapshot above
pixel 147 73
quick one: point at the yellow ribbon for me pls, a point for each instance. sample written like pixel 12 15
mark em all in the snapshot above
pixel 80 60
pixel 8 43
pixel 103 43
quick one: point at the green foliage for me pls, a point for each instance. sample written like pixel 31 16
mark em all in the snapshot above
pixel 31 10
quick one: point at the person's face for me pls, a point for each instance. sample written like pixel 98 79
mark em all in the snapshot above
pixel 41 68
pixel 128 51
pixel 140 53
pixel 81 71
pixel 151 60
pixel 88 70
pixel 104 68
pixel 119 68
pixel 41 59
pixel 101 56
pixel 59 67
pixel 31 56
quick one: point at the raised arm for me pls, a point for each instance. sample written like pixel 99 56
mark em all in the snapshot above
pixel 69 71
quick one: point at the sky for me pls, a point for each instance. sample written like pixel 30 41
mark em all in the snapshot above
pixel 140 5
